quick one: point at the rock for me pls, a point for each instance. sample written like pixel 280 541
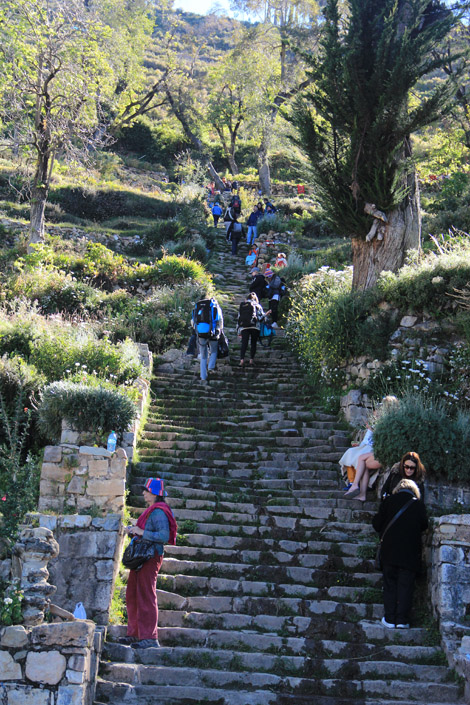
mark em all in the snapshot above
pixel 9 669
pixel 65 634
pixel 14 637
pixel 408 321
pixel 45 667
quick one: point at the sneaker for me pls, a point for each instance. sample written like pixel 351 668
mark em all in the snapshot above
pixel 403 626
pixel 146 644
pixel 387 624
pixel 128 640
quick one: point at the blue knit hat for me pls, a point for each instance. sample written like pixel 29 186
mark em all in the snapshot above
pixel 155 486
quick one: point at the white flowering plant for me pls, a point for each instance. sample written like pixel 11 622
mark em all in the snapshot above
pixel 11 598
pixel 404 376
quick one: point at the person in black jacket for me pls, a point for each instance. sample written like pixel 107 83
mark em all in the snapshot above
pixel 401 551
pixel 409 468
pixel 258 284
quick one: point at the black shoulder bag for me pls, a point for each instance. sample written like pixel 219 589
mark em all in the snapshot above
pixel 378 555
pixel 138 552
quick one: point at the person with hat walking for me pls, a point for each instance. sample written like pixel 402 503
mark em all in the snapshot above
pixel 258 283
pixel 157 525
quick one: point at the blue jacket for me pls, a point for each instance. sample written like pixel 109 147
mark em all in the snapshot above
pixel 252 219
pixel 217 210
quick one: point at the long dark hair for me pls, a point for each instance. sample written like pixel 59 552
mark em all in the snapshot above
pixel 420 471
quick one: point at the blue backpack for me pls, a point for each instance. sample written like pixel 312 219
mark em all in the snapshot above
pixel 266 334
pixel 205 317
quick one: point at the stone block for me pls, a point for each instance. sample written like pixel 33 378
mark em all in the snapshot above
pixel 75 677
pixel 111 522
pixel 76 485
pixel 408 321
pixel 104 570
pixel 28 696
pixel 9 669
pixel 69 436
pixel 48 488
pixel 99 467
pixel 88 451
pixel 55 472
pixel 14 637
pixel 54 504
pixel 48 521
pixel 84 503
pixel 45 667
pixel 5 569
pixel 451 554
pixel 78 662
pixel 75 521
pixel 71 695
pixel 118 466
pixel 64 634
pixel 52 454
pixel 100 488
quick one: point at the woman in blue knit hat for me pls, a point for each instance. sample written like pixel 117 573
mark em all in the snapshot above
pixel 156 524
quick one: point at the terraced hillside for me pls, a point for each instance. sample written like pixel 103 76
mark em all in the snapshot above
pixel 270 595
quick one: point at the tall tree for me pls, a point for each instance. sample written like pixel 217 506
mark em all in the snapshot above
pixel 282 24
pixel 355 122
pixel 60 63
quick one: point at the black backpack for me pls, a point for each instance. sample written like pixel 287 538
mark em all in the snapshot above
pixel 247 315
pixel 205 317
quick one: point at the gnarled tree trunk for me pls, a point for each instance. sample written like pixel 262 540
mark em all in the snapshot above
pixel 264 173
pixel 401 233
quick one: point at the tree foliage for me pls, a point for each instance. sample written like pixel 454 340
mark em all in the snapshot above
pixel 355 119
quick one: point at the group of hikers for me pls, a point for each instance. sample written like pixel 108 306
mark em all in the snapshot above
pixel 233 226
pixel 207 321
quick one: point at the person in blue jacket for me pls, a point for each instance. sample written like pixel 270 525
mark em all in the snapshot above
pixel 216 213
pixel 251 222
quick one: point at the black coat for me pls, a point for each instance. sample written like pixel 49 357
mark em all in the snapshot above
pixel 392 481
pixel 401 545
pixel 258 286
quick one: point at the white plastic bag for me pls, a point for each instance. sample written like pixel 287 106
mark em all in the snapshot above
pixel 79 611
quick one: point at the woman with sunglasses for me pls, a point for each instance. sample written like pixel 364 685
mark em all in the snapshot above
pixel 409 468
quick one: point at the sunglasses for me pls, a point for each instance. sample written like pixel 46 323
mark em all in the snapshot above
pixel 410 467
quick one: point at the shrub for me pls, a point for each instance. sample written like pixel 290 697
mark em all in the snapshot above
pixel 57 354
pixel 84 408
pixel 19 470
pixel 55 292
pixel 173 269
pixel 428 284
pixel 329 323
pixel 17 378
pixel 17 336
pixel 161 231
pixel 194 248
pixel 400 378
pixel 428 427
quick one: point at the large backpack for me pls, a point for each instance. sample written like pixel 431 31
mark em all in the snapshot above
pixel 266 334
pixel 247 315
pixel 205 316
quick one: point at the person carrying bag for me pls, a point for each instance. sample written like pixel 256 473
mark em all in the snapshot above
pixel 155 527
pixel 400 522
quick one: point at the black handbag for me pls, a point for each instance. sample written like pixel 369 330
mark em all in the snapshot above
pixel 222 347
pixel 138 552
pixel 378 555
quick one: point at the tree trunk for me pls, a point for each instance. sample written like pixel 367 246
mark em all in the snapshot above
pixel 36 219
pixel 232 164
pixel 401 233
pixel 264 173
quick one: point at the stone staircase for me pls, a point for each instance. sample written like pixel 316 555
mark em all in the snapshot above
pixel 270 595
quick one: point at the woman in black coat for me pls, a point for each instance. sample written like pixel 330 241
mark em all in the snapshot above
pixel 409 468
pixel 401 551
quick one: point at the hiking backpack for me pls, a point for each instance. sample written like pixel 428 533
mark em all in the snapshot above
pixel 247 315
pixel 205 316
pixel 266 334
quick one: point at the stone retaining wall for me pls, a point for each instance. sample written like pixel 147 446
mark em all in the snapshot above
pixel 86 567
pixel 50 664
pixel 448 555
pixel 82 478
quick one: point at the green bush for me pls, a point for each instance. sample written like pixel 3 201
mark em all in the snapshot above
pixel 171 270
pixel 428 427
pixel 57 354
pixel 17 378
pixel 19 470
pixel 84 408
pixel 329 323
pixel 55 291
pixel 428 284
pixel 17 336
